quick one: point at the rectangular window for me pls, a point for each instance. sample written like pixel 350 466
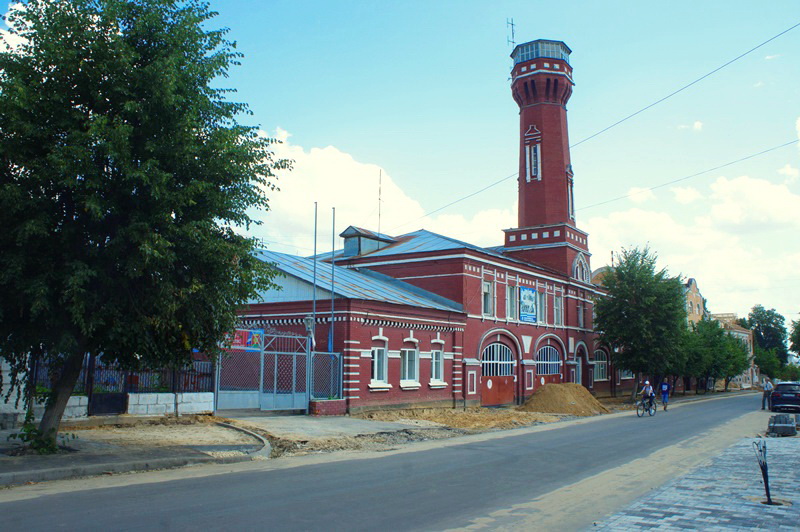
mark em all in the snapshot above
pixel 581 318
pixel 379 365
pixel 533 164
pixel 488 298
pixel 541 306
pixel 409 365
pixel 511 302
pixel 558 310
pixel 437 366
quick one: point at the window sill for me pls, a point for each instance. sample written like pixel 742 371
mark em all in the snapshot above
pixel 379 386
pixel 437 384
pixel 409 385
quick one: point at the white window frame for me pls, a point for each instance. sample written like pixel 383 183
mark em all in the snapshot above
pixel 548 361
pixel 600 365
pixel 379 359
pixel 409 372
pixel 512 303
pixel 437 368
pixel 533 162
pixel 558 310
pixel 487 298
pixel 625 374
pixel 581 315
pixel 541 307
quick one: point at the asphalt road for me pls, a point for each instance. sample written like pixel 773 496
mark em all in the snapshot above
pixel 433 489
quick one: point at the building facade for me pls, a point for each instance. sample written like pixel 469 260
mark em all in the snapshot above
pixel 422 319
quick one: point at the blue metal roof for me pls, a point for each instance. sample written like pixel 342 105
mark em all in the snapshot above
pixel 354 283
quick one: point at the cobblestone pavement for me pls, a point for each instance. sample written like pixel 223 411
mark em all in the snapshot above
pixel 723 495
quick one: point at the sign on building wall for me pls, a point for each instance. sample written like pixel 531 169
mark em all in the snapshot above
pixel 248 340
pixel 527 304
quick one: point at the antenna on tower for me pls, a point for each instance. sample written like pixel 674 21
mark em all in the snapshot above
pixel 511 40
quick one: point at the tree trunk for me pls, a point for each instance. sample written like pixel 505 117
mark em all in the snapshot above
pixel 62 390
pixel 636 386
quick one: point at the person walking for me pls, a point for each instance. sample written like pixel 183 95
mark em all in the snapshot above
pixel 766 399
pixel 665 387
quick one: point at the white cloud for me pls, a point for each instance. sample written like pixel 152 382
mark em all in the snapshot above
pixel 697 125
pixel 335 179
pixel 733 242
pixel 771 57
pixel 759 84
pixel 790 172
pixel 686 195
pixel 640 195
pixel 753 204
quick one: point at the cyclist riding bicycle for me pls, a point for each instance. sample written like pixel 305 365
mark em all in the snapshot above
pixel 648 393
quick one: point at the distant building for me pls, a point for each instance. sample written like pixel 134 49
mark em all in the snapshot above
pixel 695 302
pixel 751 375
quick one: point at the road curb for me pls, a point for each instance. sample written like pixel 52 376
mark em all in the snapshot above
pixel 91 470
pixel 266 448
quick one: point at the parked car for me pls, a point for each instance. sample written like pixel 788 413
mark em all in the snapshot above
pixel 785 396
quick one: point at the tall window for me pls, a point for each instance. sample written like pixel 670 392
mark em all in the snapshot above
pixel 541 306
pixel 488 298
pixel 437 366
pixel 511 302
pixel 548 361
pixel 497 361
pixel 581 320
pixel 533 163
pixel 558 310
pixel 600 365
pixel 379 365
pixel 409 365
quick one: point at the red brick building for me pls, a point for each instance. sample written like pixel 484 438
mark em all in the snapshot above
pixel 423 319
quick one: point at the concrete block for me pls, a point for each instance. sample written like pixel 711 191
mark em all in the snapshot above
pixel 156 409
pixel 147 398
pixel 165 398
pixel 133 399
pixel 137 410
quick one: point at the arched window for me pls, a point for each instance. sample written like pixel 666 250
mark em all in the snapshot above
pixel 580 270
pixel 497 361
pixel 600 365
pixel 548 361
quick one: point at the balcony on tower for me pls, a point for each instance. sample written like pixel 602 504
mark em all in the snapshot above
pixel 541 48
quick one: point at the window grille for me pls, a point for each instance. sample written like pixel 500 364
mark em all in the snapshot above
pixel 548 361
pixel 600 365
pixel 497 361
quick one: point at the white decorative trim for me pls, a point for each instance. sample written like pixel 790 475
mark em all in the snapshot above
pixel 409 385
pixel 377 386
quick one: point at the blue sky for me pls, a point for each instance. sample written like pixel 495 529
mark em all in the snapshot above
pixel 419 93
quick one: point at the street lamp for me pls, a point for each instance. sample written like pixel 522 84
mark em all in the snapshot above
pixel 308 321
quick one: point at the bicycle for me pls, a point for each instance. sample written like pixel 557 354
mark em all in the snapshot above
pixel 646 404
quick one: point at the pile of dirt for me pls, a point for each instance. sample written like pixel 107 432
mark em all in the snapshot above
pixel 470 418
pixel 567 398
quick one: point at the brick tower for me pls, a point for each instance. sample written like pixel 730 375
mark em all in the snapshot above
pixel 547 235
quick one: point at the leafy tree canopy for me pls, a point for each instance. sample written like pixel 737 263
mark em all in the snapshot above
pixel 769 330
pixel 794 337
pixel 644 315
pixel 124 174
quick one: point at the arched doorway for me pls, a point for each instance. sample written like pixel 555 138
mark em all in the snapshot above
pixel 497 381
pixel 548 365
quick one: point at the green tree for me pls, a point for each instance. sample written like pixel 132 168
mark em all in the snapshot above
pixel 643 315
pixel 124 177
pixel 794 337
pixel 767 362
pixel 769 330
pixel 735 361
pixel 790 372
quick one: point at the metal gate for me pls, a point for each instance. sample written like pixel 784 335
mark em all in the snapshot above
pixel 275 372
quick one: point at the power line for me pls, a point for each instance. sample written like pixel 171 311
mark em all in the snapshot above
pixel 458 200
pixel 751 156
pixel 670 95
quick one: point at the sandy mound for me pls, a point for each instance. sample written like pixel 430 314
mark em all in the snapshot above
pixel 568 398
pixel 471 418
